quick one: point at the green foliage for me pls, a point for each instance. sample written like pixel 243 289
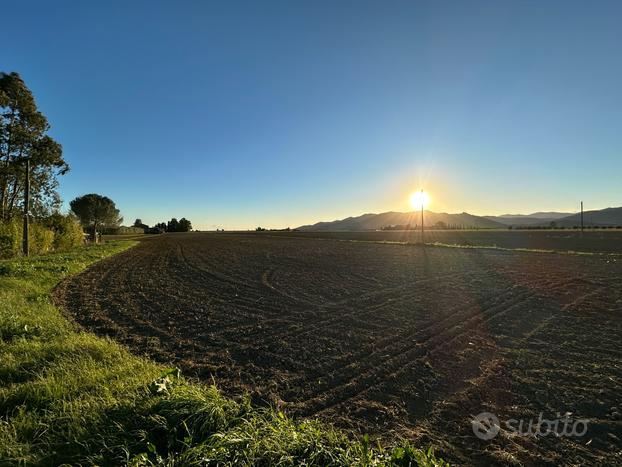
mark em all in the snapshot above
pixel 408 455
pixel 56 232
pixel 184 225
pixel 67 231
pixel 10 238
pixel 69 397
pixel 174 225
pixel 41 239
pixel 23 134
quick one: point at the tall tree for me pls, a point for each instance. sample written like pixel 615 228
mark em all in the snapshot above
pixel 23 135
pixel 95 211
pixel 138 223
pixel 173 225
pixel 185 225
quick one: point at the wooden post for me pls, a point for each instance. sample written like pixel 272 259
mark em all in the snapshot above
pixel 25 245
pixel 422 215
pixel 582 216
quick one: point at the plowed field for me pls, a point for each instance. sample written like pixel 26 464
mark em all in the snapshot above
pixel 379 338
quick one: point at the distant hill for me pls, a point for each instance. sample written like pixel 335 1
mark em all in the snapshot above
pixel 537 215
pixel 537 218
pixel 385 219
pixel 602 217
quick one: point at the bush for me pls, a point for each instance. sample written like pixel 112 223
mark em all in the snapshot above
pixel 41 239
pixel 10 238
pixel 56 232
pixel 67 231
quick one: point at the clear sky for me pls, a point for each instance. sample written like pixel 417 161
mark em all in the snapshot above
pixel 237 114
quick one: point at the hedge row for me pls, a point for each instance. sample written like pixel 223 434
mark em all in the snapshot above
pixel 53 233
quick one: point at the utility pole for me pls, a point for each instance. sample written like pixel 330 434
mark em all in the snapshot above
pixel 422 215
pixel 581 216
pixel 25 244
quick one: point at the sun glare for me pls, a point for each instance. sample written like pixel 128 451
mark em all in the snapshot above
pixel 418 199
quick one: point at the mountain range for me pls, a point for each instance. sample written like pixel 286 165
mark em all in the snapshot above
pixel 599 218
pixel 537 218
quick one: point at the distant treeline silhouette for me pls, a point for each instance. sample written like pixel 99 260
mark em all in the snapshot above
pixel 174 225
pixel 261 229
pixel 440 225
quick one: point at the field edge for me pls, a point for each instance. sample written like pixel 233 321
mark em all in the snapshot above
pixel 70 397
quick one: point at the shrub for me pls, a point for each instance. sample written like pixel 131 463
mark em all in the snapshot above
pixel 67 231
pixel 41 239
pixel 56 232
pixel 10 238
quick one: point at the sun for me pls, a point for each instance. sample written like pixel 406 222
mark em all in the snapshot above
pixel 419 199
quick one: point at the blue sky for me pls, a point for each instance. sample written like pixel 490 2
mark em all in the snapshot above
pixel 238 114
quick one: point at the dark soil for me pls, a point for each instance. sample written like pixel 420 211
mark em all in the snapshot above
pixel 592 240
pixel 391 340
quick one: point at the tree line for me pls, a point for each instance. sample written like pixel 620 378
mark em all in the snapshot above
pixel 23 137
pixel 28 155
pixel 31 162
pixel 174 225
pixel 97 212
pixel 440 225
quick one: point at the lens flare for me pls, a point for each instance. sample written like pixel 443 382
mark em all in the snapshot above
pixel 419 199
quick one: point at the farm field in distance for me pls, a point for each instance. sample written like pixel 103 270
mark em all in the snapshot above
pixel 603 240
pixel 386 339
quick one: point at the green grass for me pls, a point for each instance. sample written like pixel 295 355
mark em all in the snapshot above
pixel 69 397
